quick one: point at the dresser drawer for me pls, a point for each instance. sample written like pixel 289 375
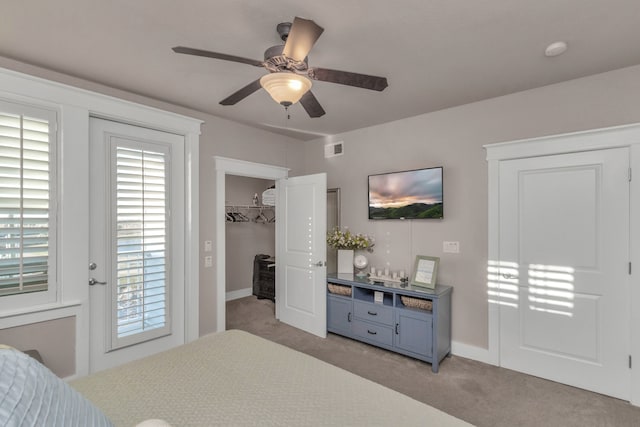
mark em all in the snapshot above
pixel 377 334
pixel 373 312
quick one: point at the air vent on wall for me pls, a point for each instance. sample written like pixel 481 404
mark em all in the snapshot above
pixel 335 149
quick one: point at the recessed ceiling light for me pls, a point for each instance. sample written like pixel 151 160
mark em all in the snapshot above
pixel 555 49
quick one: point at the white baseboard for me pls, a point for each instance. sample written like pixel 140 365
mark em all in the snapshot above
pixel 470 352
pixel 240 293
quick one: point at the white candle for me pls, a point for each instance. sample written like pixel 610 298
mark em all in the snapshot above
pixel 386 271
pixel 395 274
pixel 373 271
pixel 402 274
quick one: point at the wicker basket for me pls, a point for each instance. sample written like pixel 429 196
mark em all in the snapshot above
pixel 339 290
pixel 422 304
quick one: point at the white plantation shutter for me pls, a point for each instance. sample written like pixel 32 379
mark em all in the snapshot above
pixel 27 202
pixel 140 201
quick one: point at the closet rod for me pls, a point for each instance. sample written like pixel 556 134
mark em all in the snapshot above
pixel 250 206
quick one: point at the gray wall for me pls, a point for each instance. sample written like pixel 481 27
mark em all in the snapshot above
pixel 55 340
pixel 453 138
pixel 244 240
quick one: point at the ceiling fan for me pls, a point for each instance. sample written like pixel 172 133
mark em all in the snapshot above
pixel 289 78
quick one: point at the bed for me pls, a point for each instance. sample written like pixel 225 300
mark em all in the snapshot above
pixel 234 378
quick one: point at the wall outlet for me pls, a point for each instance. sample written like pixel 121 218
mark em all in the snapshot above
pixel 208 245
pixel 451 247
pixel 208 261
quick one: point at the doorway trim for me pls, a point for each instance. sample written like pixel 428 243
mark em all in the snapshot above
pixel 596 139
pixel 332 253
pixel 226 166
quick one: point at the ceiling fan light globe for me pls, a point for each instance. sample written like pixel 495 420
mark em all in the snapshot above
pixel 295 85
pixel 285 88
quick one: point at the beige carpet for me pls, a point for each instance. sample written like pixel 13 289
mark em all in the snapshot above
pixel 475 392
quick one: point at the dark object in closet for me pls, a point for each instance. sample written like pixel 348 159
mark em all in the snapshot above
pixel 264 277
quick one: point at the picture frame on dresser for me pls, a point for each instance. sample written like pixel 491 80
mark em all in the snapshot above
pixel 425 271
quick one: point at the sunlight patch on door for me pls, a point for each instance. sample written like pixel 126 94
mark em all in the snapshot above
pixel 551 289
pixel 556 319
pixel 502 283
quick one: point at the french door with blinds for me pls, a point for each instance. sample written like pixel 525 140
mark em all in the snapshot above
pixel 137 291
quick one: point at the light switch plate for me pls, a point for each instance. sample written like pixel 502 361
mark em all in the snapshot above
pixel 207 245
pixel 208 261
pixel 451 247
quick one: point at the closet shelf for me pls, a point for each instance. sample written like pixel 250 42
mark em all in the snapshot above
pixel 233 213
pixel 250 206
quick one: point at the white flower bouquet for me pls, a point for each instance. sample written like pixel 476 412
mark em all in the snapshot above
pixel 340 239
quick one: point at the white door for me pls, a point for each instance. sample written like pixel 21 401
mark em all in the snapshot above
pixel 301 273
pixel 136 220
pixel 564 272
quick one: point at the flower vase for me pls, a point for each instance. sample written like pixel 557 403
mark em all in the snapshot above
pixel 345 261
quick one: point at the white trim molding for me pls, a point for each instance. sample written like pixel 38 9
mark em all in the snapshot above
pixel 597 139
pixel 240 293
pixel 470 352
pixel 192 237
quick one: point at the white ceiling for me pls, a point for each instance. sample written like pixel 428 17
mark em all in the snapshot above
pixel 434 53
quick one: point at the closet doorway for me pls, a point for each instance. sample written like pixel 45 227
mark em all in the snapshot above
pixel 250 237
pixel 302 300
pixel 226 167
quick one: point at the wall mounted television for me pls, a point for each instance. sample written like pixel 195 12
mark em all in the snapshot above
pixel 413 194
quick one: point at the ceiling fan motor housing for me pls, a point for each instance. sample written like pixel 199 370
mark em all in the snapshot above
pixel 275 61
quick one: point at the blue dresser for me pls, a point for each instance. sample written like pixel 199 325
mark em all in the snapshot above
pixel 399 317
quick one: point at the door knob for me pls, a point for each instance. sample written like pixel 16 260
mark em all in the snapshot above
pixel 320 264
pixel 93 281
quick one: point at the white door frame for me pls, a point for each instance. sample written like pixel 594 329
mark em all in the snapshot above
pixel 191 242
pixel 619 136
pixel 229 166
pixel 105 135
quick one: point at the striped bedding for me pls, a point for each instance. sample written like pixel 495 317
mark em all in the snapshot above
pixel 31 395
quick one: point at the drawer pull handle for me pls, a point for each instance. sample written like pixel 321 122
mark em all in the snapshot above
pixel 372 332
pixel 349 317
pixel 372 313
pixel 397 324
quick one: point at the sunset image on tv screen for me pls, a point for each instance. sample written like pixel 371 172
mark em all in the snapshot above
pixel 413 194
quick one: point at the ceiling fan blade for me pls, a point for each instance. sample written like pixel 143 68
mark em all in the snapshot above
pixel 302 37
pixel 216 55
pixel 350 79
pixel 238 96
pixel 311 105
